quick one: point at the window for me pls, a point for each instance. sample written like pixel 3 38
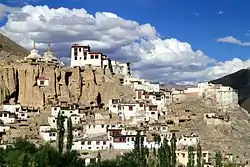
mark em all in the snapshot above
pixel 130 108
pixel 55 108
pixel 85 57
pixel 114 106
pixel 89 142
pixel 80 49
pixel 104 142
pixel 141 104
pixel 96 56
pixel 183 155
pixel 91 56
pixel 102 126
pixel 97 142
pixel 22 115
pixel 152 113
pixel 70 112
pixel 89 148
pixel 41 82
pixel 75 49
pixel 80 58
pixel 5 115
pixel 75 57
pixel 62 112
pixel 146 96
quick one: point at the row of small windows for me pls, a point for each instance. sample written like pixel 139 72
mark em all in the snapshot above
pixel 85 56
pixel 89 143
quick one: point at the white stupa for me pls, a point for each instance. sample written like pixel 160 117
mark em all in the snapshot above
pixel 34 55
pixel 49 56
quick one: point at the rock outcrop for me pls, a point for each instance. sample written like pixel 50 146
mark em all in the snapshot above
pixel 74 85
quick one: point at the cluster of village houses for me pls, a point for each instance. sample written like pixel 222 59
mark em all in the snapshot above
pixel 94 131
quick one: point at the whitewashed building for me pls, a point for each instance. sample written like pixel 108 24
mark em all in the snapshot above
pixel 42 81
pixel 182 157
pixel 49 135
pixel 141 84
pixel 7 117
pixel 227 97
pixel 151 113
pixel 120 68
pixel 188 140
pixel 92 143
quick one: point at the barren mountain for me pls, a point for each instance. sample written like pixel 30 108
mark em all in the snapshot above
pixel 10 50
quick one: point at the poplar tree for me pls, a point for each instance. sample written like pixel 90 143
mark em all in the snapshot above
pixel 218 159
pixel 173 150
pixel 69 134
pixel 60 132
pixel 190 157
pixel 199 155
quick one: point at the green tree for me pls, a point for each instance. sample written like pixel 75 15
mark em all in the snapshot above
pixel 190 157
pixel 164 154
pixel 199 155
pixel 173 150
pixel 60 132
pixel 25 160
pixel 229 164
pixel 69 134
pixel 99 159
pixel 218 159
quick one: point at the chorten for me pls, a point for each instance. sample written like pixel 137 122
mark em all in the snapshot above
pixel 34 55
pixel 49 55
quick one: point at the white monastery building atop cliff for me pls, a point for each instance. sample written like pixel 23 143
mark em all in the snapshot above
pixel 82 56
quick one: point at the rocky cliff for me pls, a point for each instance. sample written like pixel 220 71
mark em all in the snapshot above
pixel 75 85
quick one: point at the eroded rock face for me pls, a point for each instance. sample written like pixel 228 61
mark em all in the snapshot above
pixel 74 85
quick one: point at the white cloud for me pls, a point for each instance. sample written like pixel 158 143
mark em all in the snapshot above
pixel 220 12
pixel 233 40
pixel 5 9
pixel 152 57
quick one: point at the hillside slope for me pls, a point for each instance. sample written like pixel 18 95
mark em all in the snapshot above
pixel 10 50
pixel 240 81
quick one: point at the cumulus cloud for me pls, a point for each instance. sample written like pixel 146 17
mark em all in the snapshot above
pixel 233 40
pixel 4 9
pixel 152 57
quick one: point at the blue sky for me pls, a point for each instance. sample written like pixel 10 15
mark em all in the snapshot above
pixel 194 21
pixel 198 23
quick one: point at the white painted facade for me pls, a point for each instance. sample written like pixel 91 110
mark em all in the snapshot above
pixel 13 108
pixel 113 105
pixel 93 144
pixel 151 113
pixel 182 157
pixel 127 111
pixel 95 129
pixel 227 97
pixel 137 83
pixel 7 117
pixel 43 81
pixel 156 98
pixel 64 111
pixel 50 135
pixel 188 140
pixel 120 68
